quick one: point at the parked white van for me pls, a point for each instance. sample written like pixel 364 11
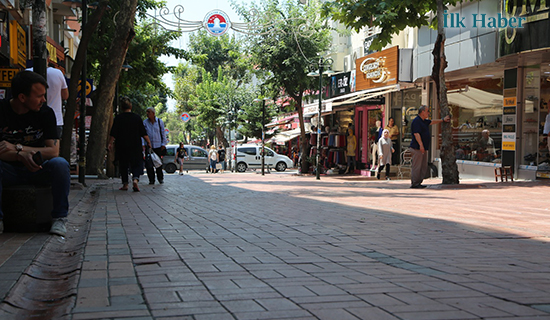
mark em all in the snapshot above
pixel 250 156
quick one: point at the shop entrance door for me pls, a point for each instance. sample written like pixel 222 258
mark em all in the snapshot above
pixel 365 119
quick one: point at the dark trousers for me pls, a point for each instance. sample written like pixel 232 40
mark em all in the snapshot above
pixel 387 165
pixel 135 167
pixel 151 171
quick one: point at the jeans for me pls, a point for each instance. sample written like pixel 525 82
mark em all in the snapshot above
pixel 55 173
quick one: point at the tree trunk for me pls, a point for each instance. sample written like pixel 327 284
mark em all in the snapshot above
pixel 39 38
pixel 110 71
pixel 304 143
pixel 221 136
pixel 70 108
pixel 448 157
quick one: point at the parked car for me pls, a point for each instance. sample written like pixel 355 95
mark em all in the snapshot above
pixel 197 158
pixel 250 156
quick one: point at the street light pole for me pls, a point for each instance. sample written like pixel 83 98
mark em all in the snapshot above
pixel 82 122
pixel 318 173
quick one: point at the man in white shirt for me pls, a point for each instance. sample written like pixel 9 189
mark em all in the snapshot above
pixel 56 93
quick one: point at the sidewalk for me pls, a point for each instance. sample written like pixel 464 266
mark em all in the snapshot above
pixel 280 246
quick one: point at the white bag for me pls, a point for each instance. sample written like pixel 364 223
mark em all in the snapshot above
pixel 157 162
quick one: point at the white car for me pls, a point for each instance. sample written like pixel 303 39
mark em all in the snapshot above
pixel 250 156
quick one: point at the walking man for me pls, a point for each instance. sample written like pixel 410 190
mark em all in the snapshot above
pixel 29 145
pixel 420 144
pixel 155 130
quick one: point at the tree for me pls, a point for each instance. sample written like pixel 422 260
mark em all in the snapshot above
pixel 288 41
pixel 141 46
pixel 101 120
pixel 392 16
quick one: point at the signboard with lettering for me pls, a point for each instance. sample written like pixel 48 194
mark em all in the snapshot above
pixel 379 69
pixel 5 77
pixel 509 102
pixel 18 44
pixel 535 13
pixel 509 119
pixel 509 110
pixel 340 84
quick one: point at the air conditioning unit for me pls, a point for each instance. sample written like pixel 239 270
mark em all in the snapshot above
pixel 347 63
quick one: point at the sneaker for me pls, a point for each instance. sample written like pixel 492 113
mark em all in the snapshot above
pixel 58 227
pixel 378 175
pixel 1 226
pixel 388 178
pixel 418 186
pixel 161 182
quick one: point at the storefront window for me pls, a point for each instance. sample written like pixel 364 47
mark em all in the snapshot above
pixel 405 106
pixel 476 111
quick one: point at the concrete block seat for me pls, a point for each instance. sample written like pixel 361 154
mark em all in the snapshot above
pixel 27 208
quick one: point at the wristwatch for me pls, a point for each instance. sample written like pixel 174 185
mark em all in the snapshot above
pixel 19 148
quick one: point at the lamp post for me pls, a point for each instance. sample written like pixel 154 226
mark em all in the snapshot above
pixel 321 65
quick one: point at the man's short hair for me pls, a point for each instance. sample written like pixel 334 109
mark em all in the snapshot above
pixel 125 103
pixel 422 108
pixel 23 82
pixel 151 109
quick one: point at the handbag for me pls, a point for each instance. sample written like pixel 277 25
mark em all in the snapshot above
pixel 152 160
pixel 162 152
pixel 218 166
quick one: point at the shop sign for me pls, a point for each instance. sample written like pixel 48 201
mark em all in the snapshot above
pixel 4 38
pixel 378 69
pixel 18 44
pixel 5 77
pixel 509 128
pixel 509 110
pixel 340 84
pixel 509 145
pixel 509 102
pixel 509 119
pixel 535 14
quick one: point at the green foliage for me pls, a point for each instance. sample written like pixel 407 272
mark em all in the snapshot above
pixel 291 37
pixel 391 16
pixel 143 83
pixel 212 52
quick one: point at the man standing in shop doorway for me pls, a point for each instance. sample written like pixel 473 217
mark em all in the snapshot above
pixel 420 144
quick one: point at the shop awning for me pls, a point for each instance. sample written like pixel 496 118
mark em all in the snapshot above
pixel 482 102
pixel 285 136
pixel 363 95
pixel 282 121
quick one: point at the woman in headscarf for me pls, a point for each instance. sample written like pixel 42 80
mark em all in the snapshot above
pixel 385 149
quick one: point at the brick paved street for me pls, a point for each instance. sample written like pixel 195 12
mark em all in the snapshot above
pixel 243 246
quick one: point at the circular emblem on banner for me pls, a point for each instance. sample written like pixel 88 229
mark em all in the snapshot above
pixel 185 117
pixel 216 22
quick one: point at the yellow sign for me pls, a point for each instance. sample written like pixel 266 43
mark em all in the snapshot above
pixel 53 52
pixel 88 87
pixel 18 44
pixel 6 75
pixel 510 102
pixel 509 145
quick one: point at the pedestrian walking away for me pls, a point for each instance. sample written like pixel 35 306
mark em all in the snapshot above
pixel 221 158
pixel 126 134
pixel 420 145
pixel 181 154
pixel 56 93
pixel 385 150
pixel 155 130
pixel 213 157
pixel 29 146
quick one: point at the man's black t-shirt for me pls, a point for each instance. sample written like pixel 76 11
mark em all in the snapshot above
pixel 29 129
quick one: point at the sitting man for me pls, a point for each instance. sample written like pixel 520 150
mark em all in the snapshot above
pixel 28 136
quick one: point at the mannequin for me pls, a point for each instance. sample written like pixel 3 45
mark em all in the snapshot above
pixel 374 146
pixel 350 150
